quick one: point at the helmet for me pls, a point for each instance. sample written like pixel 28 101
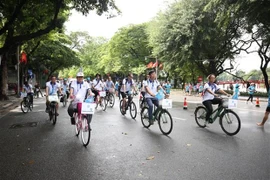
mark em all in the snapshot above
pixel 88 79
pixel 80 74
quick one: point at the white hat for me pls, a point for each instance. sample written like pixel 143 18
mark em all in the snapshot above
pixel 80 74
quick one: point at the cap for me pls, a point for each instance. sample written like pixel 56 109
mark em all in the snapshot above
pixel 88 79
pixel 80 74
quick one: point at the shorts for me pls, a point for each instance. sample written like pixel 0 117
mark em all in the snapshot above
pixel 123 94
pixel 268 109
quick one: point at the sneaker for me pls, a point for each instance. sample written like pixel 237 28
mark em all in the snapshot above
pixel 151 122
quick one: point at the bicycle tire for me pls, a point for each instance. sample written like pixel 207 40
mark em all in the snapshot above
pixel 104 104
pixel 223 121
pixel 77 128
pixel 54 116
pixel 145 117
pixel 133 105
pixel 200 116
pixel 64 101
pixel 161 121
pixel 86 131
pixel 24 104
pixel 120 106
pixel 112 100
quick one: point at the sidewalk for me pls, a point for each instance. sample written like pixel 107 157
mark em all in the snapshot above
pixel 6 106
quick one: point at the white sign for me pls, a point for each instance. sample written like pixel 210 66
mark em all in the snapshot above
pixel 232 104
pixel 88 108
pixel 102 93
pixel 23 94
pixel 166 103
pixel 53 98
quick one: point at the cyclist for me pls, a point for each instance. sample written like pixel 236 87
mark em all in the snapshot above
pixel 97 86
pixel 78 87
pixel 168 87
pixel 65 87
pixel 51 88
pixel 38 90
pixel 29 90
pixel 127 86
pixel 116 87
pixel 210 97
pixel 152 86
pixel 88 80
pixel 110 85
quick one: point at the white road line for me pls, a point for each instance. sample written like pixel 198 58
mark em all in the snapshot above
pixel 181 119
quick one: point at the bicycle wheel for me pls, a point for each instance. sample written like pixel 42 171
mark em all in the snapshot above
pixel 133 110
pixel 54 116
pixel 111 100
pixel 165 122
pixel 145 117
pixel 77 124
pixel 103 104
pixel 64 101
pixel 230 122
pixel 121 109
pixel 200 114
pixel 86 130
pixel 24 106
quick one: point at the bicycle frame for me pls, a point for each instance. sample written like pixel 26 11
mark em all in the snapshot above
pixel 218 112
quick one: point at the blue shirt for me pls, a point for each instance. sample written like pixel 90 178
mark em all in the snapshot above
pixel 168 88
pixel 116 85
pixel 251 90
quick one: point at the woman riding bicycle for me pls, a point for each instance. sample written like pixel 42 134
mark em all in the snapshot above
pixel 29 90
pixel 78 88
pixel 210 97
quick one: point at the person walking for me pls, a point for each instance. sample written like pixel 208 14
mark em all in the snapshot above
pixel 236 91
pixel 251 90
pixel 267 111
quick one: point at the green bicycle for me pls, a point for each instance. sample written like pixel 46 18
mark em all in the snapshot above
pixel 229 121
pixel 161 115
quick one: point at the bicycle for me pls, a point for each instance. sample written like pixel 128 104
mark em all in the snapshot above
pixel 110 99
pixel 129 104
pixel 160 114
pixel 53 100
pixel 26 105
pixel 226 117
pixel 102 100
pixel 63 99
pixel 83 116
pixel 142 101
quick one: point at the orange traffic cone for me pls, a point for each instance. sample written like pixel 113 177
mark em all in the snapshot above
pixel 185 103
pixel 257 102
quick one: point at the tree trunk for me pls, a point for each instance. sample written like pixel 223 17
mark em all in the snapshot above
pixel 4 75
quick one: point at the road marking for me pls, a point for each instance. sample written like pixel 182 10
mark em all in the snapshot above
pixel 181 119
pixel 250 110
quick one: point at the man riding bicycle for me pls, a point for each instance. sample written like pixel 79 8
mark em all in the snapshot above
pixel 78 88
pixel 110 85
pixel 210 97
pixel 126 88
pixel 65 87
pixel 97 86
pixel 51 88
pixel 29 90
pixel 151 87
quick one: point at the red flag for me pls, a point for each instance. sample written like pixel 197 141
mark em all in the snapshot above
pixel 150 65
pixel 23 58
pixel 155 64
pixel 160 66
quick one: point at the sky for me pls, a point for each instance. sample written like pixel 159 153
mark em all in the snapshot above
pixel 136 12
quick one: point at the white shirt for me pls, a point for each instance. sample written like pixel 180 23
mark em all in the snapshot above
pixel 97 84
pixel 109 84
pixel 207 96
pixel 153 87
pixel 128 85
pixel 28 89
pixel 80 88
pixel 143 87
pixel 53 88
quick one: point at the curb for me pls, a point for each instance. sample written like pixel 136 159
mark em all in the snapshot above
pixel 7 109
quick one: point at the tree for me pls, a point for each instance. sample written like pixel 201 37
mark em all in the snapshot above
pixel 19 24
pixel 189 33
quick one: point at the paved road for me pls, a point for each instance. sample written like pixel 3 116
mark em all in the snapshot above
pixel 119 148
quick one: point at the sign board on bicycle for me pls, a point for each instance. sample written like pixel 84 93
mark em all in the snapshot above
pixel 102 93
pixel 53 98
pixel 88 108
pixel 166 103
pixel 232 104
pixel 23 95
